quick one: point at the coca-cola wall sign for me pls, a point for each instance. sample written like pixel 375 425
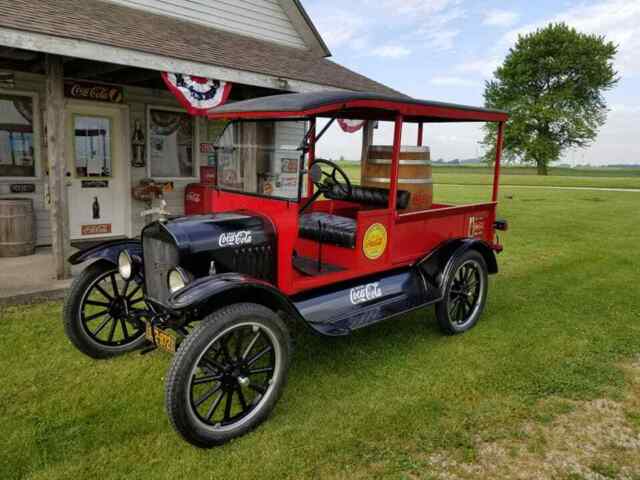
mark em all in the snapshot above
pixel 93 91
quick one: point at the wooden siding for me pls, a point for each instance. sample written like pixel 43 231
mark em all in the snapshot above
pixel 261 19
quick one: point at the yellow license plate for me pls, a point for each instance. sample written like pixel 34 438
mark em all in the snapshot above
pixel 161 338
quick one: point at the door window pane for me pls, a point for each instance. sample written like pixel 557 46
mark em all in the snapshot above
pixel 171 140
pixel 92 144
pixel 16 136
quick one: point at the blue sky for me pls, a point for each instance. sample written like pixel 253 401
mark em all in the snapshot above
pixel 446 49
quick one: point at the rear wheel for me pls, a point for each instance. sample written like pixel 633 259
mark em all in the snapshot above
pixel 100 312
pixel 228 374
pixel 465 294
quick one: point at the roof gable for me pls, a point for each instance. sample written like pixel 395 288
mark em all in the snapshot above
pixel 280 21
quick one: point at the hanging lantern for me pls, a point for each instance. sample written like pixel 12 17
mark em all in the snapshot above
pixel 197 94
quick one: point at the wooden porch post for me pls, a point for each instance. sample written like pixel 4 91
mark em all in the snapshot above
pixel 367 140
pixel 55 122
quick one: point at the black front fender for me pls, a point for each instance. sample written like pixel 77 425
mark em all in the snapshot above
pixel 108 251
pixel 207 294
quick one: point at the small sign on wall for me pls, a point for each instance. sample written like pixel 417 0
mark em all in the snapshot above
pixel 97 229
pixel 207 147
pixel 22 188
pixel 95 184
pixel 93 91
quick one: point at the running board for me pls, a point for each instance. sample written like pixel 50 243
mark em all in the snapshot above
pixel 341 308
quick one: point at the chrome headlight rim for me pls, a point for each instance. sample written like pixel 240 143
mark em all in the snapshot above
pixel 177 279
pixel 125 265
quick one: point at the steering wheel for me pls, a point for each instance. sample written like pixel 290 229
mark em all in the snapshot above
pixel 328 181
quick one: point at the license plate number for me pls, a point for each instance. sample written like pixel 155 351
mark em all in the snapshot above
pixel 161 338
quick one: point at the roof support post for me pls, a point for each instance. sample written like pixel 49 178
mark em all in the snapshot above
pixel 55 122
pixel 496 168
pixel 395 163
pixel 367 140
pixel 312 154
pixel 419 142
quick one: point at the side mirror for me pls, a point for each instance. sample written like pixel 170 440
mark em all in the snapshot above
pixel 315 173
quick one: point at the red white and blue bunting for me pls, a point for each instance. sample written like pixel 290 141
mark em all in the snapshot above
pixel 350 126
pixel 197 94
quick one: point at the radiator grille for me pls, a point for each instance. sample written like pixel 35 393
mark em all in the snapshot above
pixel 160 256
pixel 257 261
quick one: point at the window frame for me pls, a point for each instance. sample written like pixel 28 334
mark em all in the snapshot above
pixel 196 142
pixel 299 192
pixel 37 138
pixel 74 148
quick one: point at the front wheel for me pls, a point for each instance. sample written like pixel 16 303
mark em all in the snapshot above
pixel 227 374
pixel 101 312
pixel 465 294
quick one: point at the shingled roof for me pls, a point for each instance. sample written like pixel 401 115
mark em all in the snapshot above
pixel 109 24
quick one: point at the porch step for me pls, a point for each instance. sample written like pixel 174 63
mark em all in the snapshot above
pixel 309 266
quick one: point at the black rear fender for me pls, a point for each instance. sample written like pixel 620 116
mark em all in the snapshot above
pixel 436 266
pixel 208 294
pixel 108 251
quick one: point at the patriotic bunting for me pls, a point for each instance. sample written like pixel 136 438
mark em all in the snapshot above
pixel 350 126
pixel 197 94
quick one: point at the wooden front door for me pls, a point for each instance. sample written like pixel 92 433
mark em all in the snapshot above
pixel 96 171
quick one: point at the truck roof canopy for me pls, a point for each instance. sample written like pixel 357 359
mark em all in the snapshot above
pixel 354 105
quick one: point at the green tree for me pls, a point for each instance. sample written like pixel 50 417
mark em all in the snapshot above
pixel 552 83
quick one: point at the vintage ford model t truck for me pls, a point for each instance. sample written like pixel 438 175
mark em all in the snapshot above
pixel 219 289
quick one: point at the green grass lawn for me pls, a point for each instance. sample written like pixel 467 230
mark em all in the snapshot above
pixel 558 177
pixel 562 314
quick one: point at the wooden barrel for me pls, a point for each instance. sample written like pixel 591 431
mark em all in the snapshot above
pixel 17 227
pixel 414 172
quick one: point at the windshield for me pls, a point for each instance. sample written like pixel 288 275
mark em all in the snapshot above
pixel 261 157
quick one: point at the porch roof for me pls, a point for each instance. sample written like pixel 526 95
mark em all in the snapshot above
pixel 109 24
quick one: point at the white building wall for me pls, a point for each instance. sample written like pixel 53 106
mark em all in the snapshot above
pixel 261 19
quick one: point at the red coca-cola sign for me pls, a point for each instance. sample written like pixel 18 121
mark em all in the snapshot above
pixel 93 91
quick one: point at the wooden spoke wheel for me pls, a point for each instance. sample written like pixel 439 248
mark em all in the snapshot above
pixel 227 374
pixel 101 314
pixel 465 294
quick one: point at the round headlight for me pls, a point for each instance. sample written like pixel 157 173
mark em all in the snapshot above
pixel 125 265
pixel 177 279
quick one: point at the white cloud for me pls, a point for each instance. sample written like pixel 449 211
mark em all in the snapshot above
pixel 391 51
pixel 453 82
pixel 617 20
pixel 343 28
pixel 483 66
pixel 500 18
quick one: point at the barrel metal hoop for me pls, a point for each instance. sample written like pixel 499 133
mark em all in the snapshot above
pixel 408 181
pixel 386 161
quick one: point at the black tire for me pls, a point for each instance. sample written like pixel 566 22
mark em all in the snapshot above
pixel 115 331
pixel 218 351
pixel 465 294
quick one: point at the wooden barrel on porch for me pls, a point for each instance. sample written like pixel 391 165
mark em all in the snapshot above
pixel 414 172
pixel 17 227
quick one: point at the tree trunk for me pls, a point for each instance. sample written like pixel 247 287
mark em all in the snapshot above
pixel 542 167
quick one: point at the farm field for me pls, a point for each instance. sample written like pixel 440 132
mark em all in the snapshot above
pixel 560 336
pixel 558 177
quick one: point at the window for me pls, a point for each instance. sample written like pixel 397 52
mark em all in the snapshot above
pixel 17 156
pixel 92 146
pixel 261 157
pixel 171 144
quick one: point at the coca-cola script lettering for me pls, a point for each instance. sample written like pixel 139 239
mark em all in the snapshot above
pixel 233 239
pixel 93 91
pixel 365 293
